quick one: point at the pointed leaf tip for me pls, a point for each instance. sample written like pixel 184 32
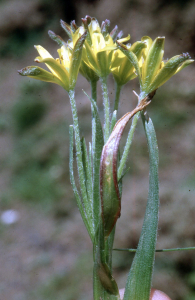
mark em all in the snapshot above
pixel 56 38
pixel 66 28
pixel 76 59
pixel 29 71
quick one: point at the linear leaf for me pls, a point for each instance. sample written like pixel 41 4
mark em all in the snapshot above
pixel 72 180
pixel 97 145
pixel 139 279
pixel 87 172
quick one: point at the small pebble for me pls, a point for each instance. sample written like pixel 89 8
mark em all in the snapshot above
pixel 9 217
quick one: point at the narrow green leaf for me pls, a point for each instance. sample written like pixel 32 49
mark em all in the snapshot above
pixel 90 171
pixel 80 167
pixel 97 145
pixel 87 174
pixel 72 180
pixel 84 157
pixel 139 279
pixel 126 149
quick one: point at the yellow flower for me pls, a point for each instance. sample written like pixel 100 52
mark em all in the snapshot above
pixel 121 67
pixel 154 72
pixel 63 70
pixel 99 46
pixel 72 31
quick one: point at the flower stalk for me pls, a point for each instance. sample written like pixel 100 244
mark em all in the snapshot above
pixel 117 95
pixel 106 103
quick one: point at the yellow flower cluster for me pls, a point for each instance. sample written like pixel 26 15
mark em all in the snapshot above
pixel 96 53
pixel 152 71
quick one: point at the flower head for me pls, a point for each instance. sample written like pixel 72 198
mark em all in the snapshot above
pixel 63 70
pixel 72 31
pixel 99 45
pixel 153 71
pixel 121 67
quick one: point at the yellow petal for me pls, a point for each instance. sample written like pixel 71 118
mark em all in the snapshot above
pixel 57 69
pixel 185 64
pixel 43 52
pixel 40 74
pixel 152 62
pixel 148 41
pixel 126 39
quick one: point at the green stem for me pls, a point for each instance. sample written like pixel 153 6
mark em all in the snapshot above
pixel 81 175
pixel 104 285
pixel 108 248
pixel 97 145
pixel 127 146
pixel 117 95
pixel 93 90
pixel 106 108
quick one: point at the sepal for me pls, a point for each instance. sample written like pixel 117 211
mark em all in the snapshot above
pixel 56 38
pixel 76 60
pixel 66 28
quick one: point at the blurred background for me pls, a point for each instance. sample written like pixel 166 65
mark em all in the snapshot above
pixel 45 252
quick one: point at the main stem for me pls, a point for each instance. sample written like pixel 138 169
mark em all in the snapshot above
pixel 106 108
pixel 94 90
